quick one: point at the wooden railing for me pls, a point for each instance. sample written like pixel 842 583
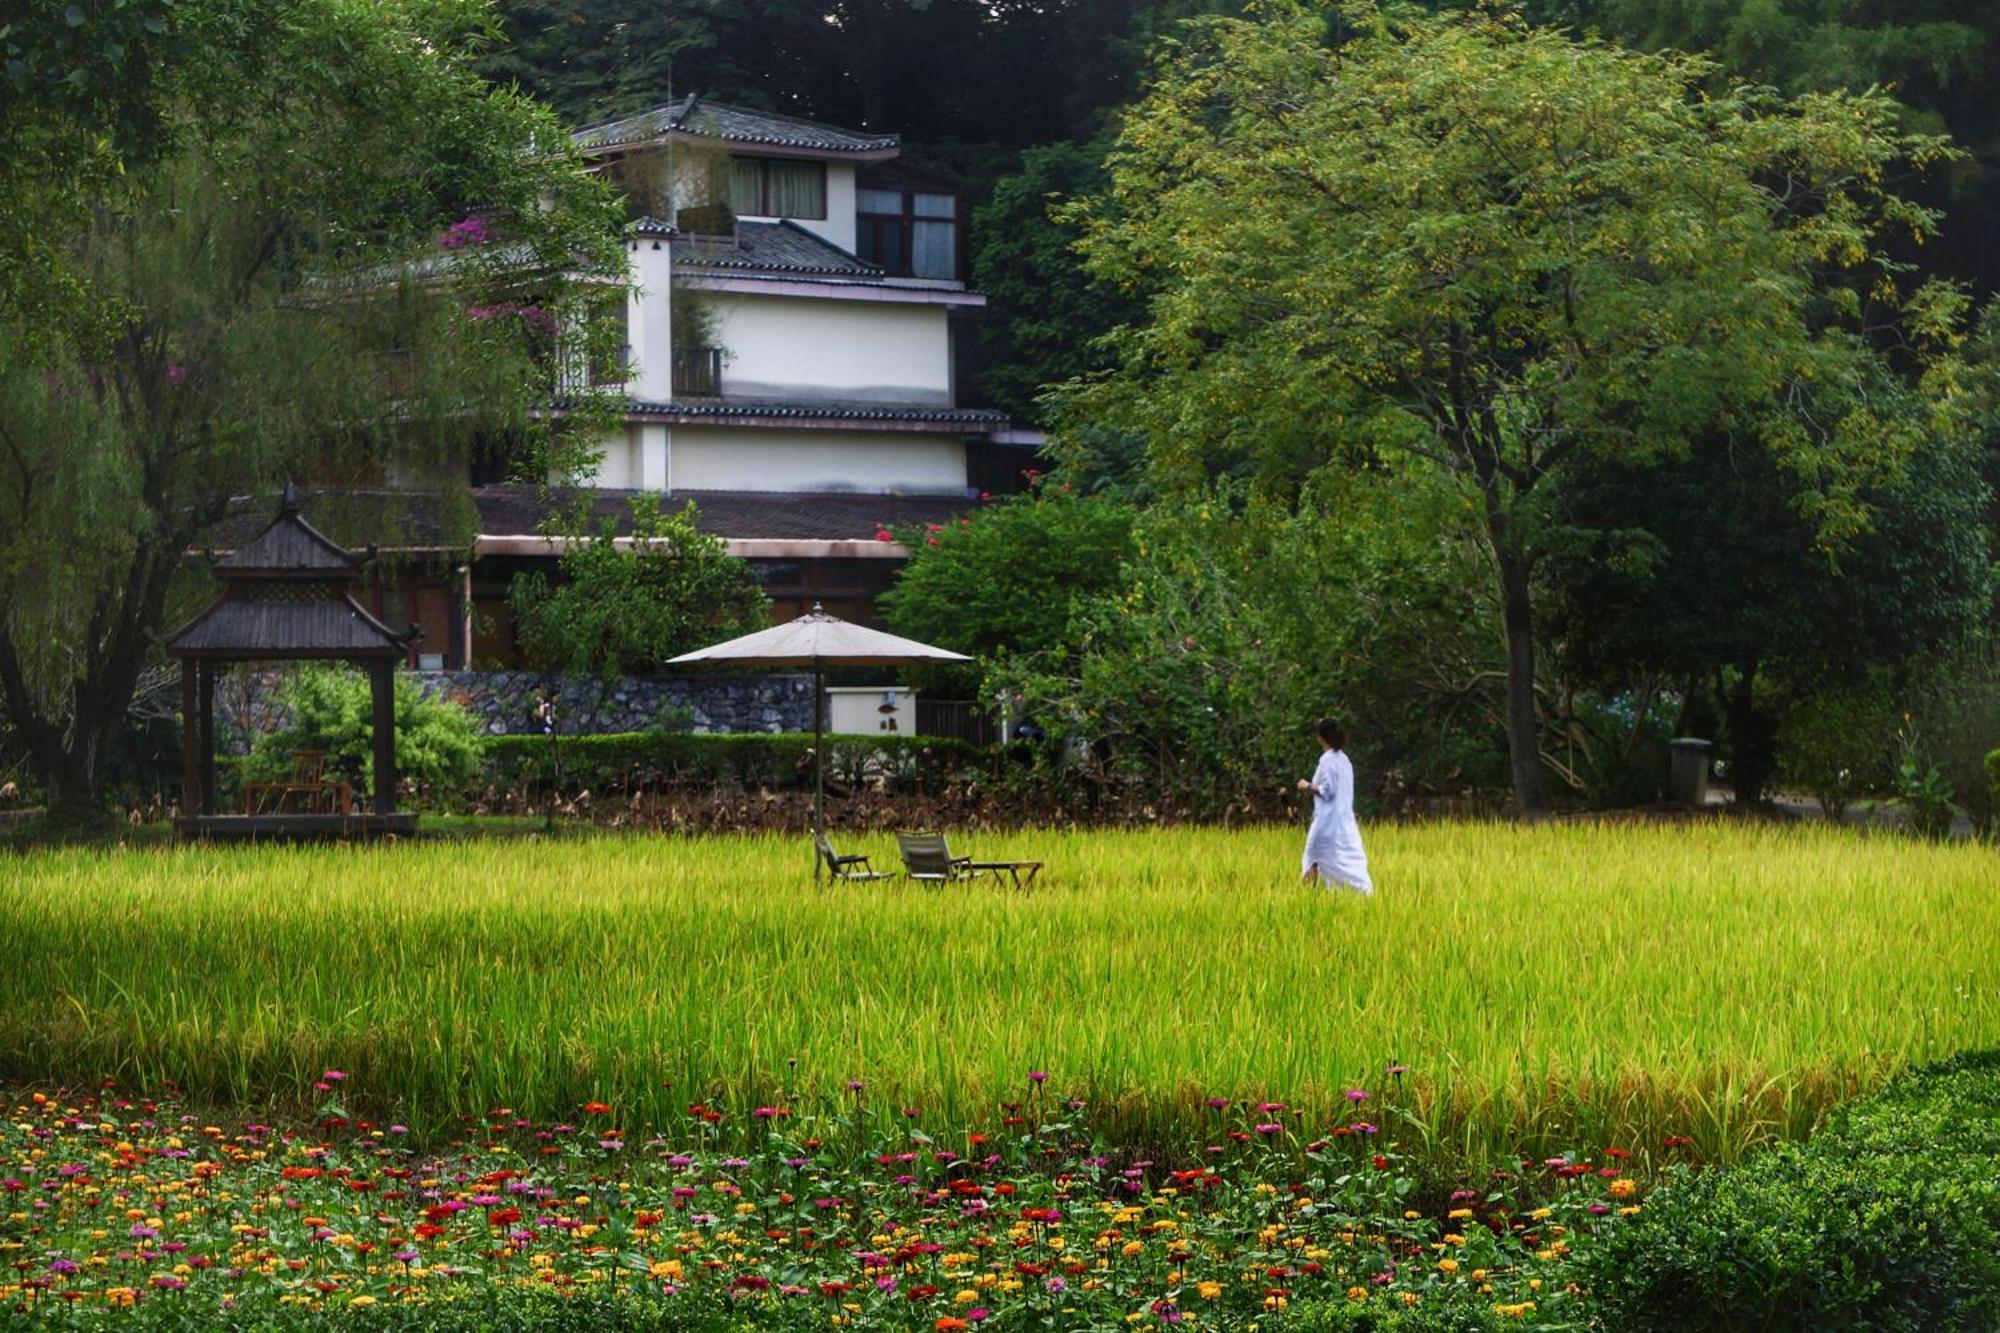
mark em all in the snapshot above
pixel 697 372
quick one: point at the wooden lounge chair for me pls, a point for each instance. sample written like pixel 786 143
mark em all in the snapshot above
pixel 927 857
pixel 853 869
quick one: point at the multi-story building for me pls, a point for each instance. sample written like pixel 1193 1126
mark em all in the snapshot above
pixel 791 360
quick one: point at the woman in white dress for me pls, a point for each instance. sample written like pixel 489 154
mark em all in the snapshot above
pixel 1333 853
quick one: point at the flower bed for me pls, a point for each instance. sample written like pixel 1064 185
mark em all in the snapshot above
pixel 124 1211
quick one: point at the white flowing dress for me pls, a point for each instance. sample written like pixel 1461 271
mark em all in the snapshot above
pixel 1333 843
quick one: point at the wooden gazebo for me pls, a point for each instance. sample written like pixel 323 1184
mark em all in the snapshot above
pixel 286 596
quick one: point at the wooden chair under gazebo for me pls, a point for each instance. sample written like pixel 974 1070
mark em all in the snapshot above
pixel 286 597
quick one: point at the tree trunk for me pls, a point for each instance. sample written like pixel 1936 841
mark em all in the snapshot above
pixel 1753 740
pixel 1523 730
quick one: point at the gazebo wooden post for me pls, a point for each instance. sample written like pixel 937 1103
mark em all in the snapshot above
pixel 382 679
pixel 190 741
pixel 205 680
pixel 287 596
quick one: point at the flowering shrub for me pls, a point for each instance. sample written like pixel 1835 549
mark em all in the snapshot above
pixel 473 230
pixel 116 1210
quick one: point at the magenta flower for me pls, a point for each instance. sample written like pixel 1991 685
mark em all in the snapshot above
pixel 464 232
pixel 1356 1095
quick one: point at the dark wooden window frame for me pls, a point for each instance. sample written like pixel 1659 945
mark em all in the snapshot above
pixel 907 219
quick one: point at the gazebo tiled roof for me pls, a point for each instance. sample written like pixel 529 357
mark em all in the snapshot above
pixel 285 594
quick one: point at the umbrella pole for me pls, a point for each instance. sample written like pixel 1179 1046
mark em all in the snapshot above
pixel 819 766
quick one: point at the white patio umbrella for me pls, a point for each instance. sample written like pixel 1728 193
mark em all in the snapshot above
pixel 818 640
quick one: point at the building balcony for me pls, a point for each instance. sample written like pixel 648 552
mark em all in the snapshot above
pixel 697 372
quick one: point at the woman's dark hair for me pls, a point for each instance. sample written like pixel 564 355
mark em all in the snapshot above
pixel 1331 732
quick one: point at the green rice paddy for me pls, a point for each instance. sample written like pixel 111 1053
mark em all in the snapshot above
pixel 1554 985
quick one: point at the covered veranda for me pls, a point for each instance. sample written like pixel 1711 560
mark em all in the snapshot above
pixel 287 596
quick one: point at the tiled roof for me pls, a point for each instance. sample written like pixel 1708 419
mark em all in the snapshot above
pixel 772 247
pixel 725 408
pixel 289 546
pixel 694 114
pixel 330 627
pixel 752 515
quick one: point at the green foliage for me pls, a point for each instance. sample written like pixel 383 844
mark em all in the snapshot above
pixel 337 258
pixel 1631 592
pixel 1581 209
pixel 1954 700
pixel 1888 1219
pixel 1993 779
pixel 1346 1316
pixel 646 760
pixel 1198 678
pixel 438 744
pixel 1010 579
pixel 624 607
pixel 1839 745
pixel 1044 313
pixel 1922 788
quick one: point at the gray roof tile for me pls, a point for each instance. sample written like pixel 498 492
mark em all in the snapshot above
pixel 697 115
pixel 772 247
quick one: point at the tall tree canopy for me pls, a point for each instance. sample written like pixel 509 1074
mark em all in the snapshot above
pixel 337 253
pixel 1506 253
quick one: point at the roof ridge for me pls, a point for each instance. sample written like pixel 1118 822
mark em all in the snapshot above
pixel 792 119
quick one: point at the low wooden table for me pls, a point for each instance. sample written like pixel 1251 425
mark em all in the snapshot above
pixel 1010 868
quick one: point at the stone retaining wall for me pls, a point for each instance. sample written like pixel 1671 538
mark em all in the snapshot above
pixel 247 703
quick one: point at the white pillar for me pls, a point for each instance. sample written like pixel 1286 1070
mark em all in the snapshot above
pixel 649 320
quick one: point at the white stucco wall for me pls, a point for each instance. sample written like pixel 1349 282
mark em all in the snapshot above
pixel 795 347
pixel 723 458
pixel 649 320
pixel 619 468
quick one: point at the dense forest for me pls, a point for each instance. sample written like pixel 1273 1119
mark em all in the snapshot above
pixel 1016 101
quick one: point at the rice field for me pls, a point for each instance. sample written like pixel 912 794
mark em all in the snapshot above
pixel 1542 986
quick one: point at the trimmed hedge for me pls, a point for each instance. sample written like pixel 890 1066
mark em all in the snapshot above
pixel 643 760
pixel 1888 1219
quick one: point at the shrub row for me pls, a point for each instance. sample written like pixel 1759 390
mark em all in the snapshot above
pixel 1889 1218
pixel 643 760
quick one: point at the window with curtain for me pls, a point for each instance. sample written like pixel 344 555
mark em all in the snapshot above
pixel 934 236
pixel 776 187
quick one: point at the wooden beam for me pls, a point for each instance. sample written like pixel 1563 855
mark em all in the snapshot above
pixel 190 742
pixel 382 679
pixel 205 756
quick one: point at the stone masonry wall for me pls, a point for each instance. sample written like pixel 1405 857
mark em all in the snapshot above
pixel 247 702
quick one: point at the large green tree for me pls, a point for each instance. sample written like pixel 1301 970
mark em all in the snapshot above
pixel 339 254
pixel 1700 570
pixel 1504 253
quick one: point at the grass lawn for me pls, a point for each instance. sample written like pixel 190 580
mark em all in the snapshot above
pixel 1546 987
